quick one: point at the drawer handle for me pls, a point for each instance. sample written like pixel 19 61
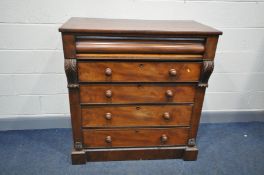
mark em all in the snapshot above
pixel 166 116
pixel 108 116
pixel 108 93
pixel 163 138
pixel 169 93
pixel 172 72
pixel 108 71
pixel 108 139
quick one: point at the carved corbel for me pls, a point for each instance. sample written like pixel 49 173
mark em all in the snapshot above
pixel 71 73
pixel 207 69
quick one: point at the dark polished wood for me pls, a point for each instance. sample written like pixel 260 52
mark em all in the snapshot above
pixel 137 27
pixel 136 87
pixel 132 46
pixel 78 157
pixel 136 115
pixel 135 137
pixel 206 71
pixel 190 154
pixel 70 66
pixel 144 153
pixel 210 45
pixel 71 72
pixel 137 57
pixel 197 110
pixel 137 93
pixel 68 41
pixel 94 71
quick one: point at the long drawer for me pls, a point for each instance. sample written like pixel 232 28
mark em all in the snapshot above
pixel 135 137
pixel 136 115
pixel 136 93
pixel 133 45
pixel 110 71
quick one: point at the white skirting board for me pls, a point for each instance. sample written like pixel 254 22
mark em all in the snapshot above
pixel 63 121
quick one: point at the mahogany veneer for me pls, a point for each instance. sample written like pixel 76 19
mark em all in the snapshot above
pixel 136 87
pixel 94 71
pixel 136 93
pixel 135 137
pixel 136 115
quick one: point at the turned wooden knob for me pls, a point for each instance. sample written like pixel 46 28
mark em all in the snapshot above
pixel 166 116
pixel 108 71
pixel 108 116
pixel 164 138
pixel 172 72
pixel 169 93
pixel 108 139
pixel 108 93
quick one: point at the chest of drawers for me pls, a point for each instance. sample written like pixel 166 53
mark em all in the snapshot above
pixel 136 87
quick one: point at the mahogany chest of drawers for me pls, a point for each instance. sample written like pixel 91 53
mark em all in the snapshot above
pixel 136 87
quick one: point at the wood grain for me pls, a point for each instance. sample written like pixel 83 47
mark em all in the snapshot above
pixel 197 110
pixel 134 46
pixel 190 154
pixel 134 137
pixel 154 57
pixel 137 27
pixel 210 48
pixel 78 157
pixel 136 115
pixel 136 87
pixel 118 154
pixel 68 46
pixel 74 99
pixel 136 93
pixel 94 71
pixel 75 115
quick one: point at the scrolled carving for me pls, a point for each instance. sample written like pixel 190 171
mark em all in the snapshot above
pixel 191 142
pixel 78 146
pixel 71 73
pixel 207 69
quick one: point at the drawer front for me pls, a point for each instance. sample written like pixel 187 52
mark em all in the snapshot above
pixel 136 115
pixel 135 137
pixel 143 46
pixel 94 71
pixel 133 93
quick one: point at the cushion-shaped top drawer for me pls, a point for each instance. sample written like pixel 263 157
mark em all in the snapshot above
pixel 111 71
pixel 90 44
pixel 135 137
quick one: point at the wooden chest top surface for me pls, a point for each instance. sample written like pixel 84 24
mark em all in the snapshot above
pixel 132 26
